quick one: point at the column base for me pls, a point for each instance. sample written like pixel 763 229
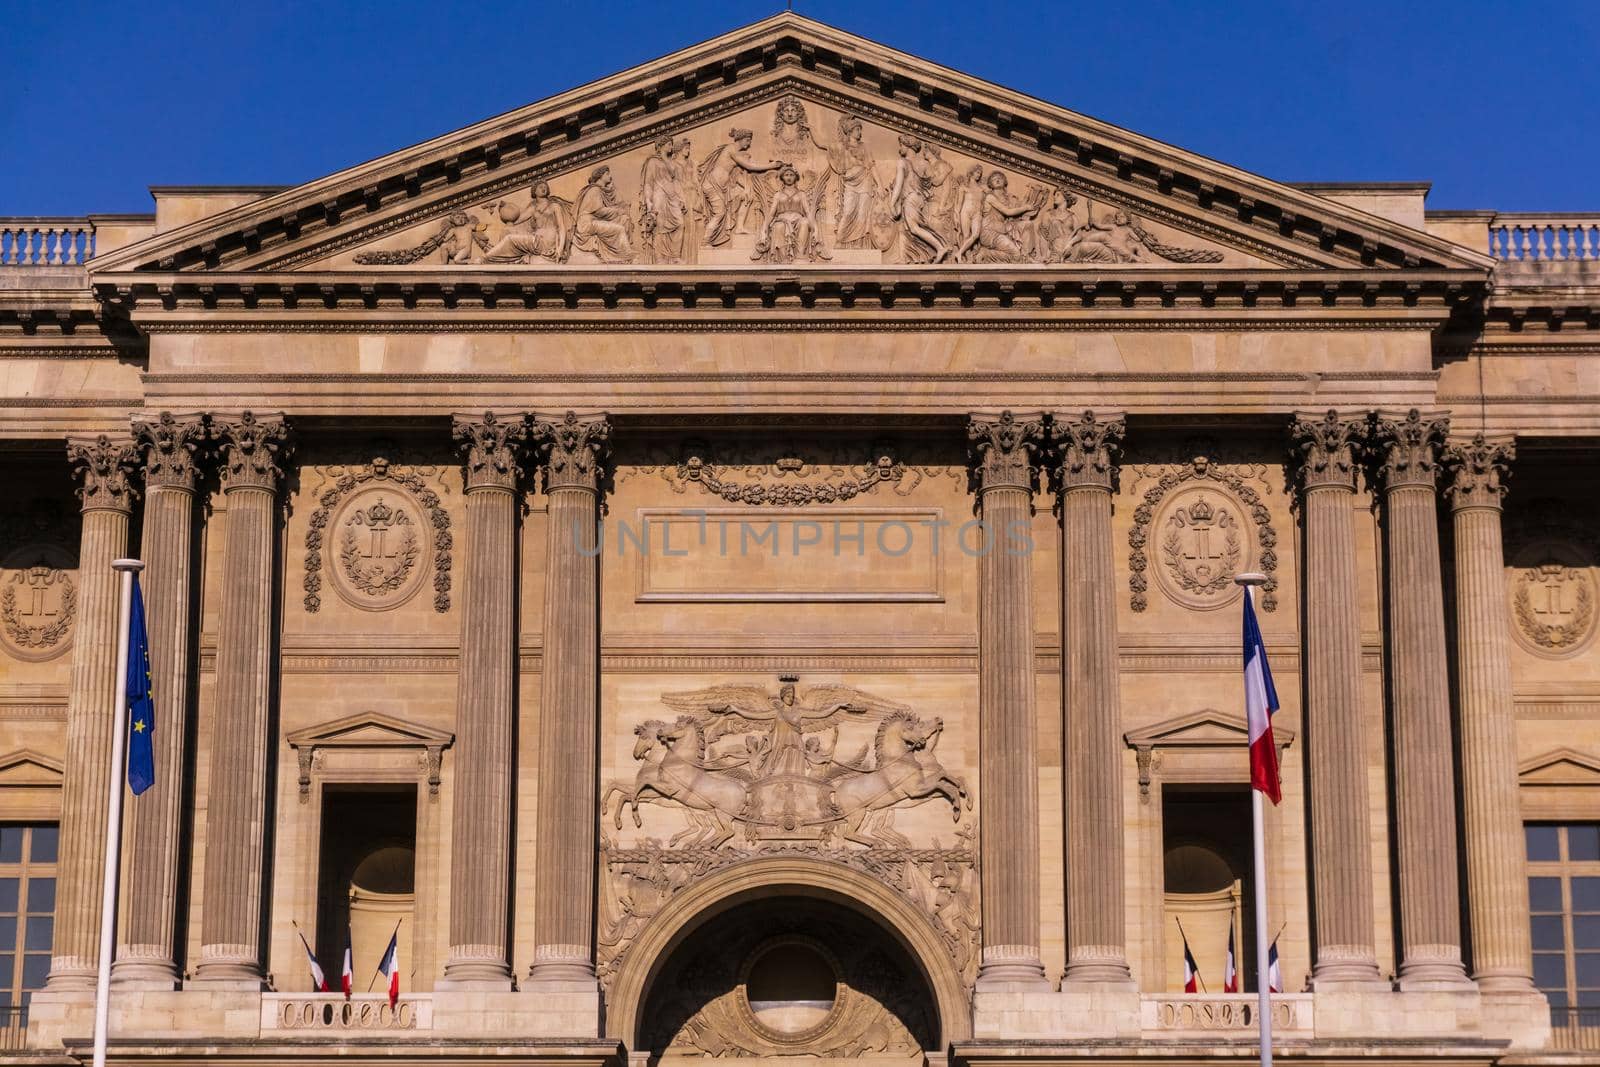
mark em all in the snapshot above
pixel 1011 968
pixel 476 975
pixel 1105 969
pixel 1427 975
pixel 145 972
pixel 229 976
pixel 1521 1017
pixel 1347 973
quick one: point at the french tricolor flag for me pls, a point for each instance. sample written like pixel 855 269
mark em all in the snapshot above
pixel 390 967
pixel 1230 974
pixel 319 982
pixel 1274 973
pixel 1191 970
pixel 1260 704
pixel 348 976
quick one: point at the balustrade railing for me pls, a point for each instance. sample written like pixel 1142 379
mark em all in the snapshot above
pixel 13 1029
pixel 1575 1029
pixel 45 242
pixel 1520 238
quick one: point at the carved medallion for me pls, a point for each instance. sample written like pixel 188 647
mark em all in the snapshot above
pixel 1553 594
pixel 1204 543
pixel 38 602
pixel 377 529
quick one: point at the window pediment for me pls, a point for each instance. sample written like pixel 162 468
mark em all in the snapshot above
pixel 368 734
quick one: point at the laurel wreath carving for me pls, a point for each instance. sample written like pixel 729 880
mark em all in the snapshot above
pixel 1200 470
pixel 1172 549
pixel 1548 635
pixel 375 579
pixel 348 483
pixel 49 636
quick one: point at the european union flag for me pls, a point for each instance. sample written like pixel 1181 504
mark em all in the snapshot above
pixel 141 709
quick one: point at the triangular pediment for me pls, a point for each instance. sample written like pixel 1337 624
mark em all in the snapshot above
pixel 1561 766
pixel 892 161
pixel 1207 728
pixel 27 768
pixel 370 730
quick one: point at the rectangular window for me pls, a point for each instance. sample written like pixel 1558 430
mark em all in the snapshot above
pixel 27 920
pixel 1564 899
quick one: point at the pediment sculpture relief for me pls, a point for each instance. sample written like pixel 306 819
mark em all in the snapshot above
pixel 787 183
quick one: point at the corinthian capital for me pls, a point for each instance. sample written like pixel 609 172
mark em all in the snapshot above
pixel 1409 447
pixel 1087 448
pixel 253 450
pixel 1326 447
pixel 575 450
pixel 1003 449
pixel 170 443
pixel 491 445
pixel 1478 470
pixel 102 464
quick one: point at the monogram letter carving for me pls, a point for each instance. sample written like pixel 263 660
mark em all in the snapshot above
pixel 1003 450
pixel 575 450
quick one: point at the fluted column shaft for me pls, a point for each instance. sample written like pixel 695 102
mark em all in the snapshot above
pixel 238 806
pixel 1335 723
pixel 480 867
pixel 1425 819
pixel 102 464
pixel 1497 877
pixel 1096 920
pixel 1008 763
pixel 147 952
pixel 569 705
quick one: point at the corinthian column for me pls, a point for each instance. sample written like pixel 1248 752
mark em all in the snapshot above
pixel 102 465
pixel 1425 817
pixel 1497 878
pixel 253 447
pixel 1096 923
pixel 1003 451
pixel 147 955
pixel 1335 726
pixel 575 450
pixel 480 866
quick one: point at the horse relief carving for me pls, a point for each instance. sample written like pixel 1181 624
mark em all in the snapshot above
pixel 790 182
pixel 740 759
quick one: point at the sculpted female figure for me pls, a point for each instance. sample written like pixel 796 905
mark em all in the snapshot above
pixel 858 187
pixel 968 211
pixel 603 226
pixel 999 239
pixel 916 177
pixel 726 185
pixel 543 230
pixel 791 232
pixel 662 211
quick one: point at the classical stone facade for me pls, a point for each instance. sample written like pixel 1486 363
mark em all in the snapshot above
pixel 737 561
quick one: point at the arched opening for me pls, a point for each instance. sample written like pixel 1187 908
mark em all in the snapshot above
pixel 789 975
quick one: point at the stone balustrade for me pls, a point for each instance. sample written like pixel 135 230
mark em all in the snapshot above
pixel 313 1012
pixel 1219 1013
pixel 1521 238
pixel 45 241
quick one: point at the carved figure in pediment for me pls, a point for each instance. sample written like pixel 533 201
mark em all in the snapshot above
pixel 542 230
pixel 1056 228
pixel 665 214
pixel 791 233
pixel 1002 230
pixel 458 238
pixel 603 227
pixel 1108 240
pixel 861 218
pixel 919 181
pixel 727 182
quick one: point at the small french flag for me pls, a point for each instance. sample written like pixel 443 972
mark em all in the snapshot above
pixel 348 976
pixel 1274 975
pixel 1191 970
pixel 390 967
pixel 319 981
pixel 1260 704
pixel 1230 974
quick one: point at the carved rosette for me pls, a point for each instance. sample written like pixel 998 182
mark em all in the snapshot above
pixel 171 444
pixel 1326 450
pixel 383 521
pixel 1003 449
pixel 254 448
pixel 491 445
pixel 102 465
pixel 1478 470
pixel 575 450
pixel 1408 447
pixel 1087 448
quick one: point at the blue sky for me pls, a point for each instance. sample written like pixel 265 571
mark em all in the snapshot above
pixel 1498 104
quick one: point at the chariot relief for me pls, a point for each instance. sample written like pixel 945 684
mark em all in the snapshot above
pixel 788 182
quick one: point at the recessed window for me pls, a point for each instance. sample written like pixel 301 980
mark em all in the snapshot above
pixel 1564 902
pixel 791 987
pixel 27 916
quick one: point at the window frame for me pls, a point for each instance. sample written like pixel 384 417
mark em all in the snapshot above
pixel 27 870
pixel 1584 999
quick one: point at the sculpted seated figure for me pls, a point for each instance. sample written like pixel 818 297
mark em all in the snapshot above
pixel 603 226
pixel 790 234
pixel 543 230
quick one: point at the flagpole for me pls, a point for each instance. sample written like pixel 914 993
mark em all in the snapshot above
pixel 1263 985
pixel 127 568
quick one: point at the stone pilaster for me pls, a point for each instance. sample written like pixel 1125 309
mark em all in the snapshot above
pixel 1497 877
pixel 575 451
pixel 1425 821
pixel 1003 452
pixel 1096 922
pixel 480 866
pixel 238 808
pixel 147 952
pixel 102 465
pixel 1335 725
